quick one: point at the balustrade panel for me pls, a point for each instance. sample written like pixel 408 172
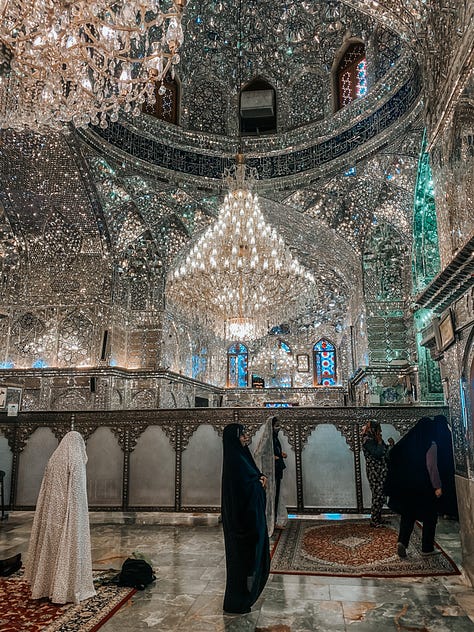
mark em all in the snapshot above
pixel 328 470
pixel 152 470
pixel 202 469
pixel 172 459
pixel 104 469
pixel 32 462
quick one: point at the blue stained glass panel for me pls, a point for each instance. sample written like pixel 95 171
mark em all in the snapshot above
pixel 361 87
pixel 325 363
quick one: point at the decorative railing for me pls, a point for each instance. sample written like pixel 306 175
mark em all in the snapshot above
pixel 170 460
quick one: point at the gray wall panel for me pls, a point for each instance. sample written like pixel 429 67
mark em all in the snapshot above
pixel 202 469
pixel 328 470
pixel 152 470
pixel 33 459
pixel 104 469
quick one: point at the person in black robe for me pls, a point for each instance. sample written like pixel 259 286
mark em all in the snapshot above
pixel 448 503
pixel 418 467
pixel 247 548
pixel 280 465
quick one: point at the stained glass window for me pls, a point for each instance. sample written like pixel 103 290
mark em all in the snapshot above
pixel 324 363
pixel 237 366
pixel 352 75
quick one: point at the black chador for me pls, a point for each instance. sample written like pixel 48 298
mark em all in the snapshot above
pixel 243 502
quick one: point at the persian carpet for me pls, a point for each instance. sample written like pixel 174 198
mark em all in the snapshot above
pixel 354 549
pixel 19 613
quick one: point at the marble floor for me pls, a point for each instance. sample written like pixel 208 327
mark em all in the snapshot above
pixel 188 553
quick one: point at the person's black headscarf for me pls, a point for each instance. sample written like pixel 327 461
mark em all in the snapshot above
pixel 244 523
pixel 408 480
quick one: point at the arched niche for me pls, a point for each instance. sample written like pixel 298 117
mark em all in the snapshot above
pixel 202 469
pixel 32 463
pixel 328 466
pixel 167 101
pixel 152 470
pixel 257 108
pixel 348 73
pixel 104 469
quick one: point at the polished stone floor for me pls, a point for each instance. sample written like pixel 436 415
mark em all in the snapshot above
pixel 188 553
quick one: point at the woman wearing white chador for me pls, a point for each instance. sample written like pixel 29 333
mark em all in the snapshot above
pixel 59 564
pixel 265 460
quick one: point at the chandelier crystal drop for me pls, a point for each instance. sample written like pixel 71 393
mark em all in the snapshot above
pixel 239 279
pixel 80 61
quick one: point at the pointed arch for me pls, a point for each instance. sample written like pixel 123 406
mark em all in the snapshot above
pixel 350 74
pixel 324 363
pixel 257 108
pixel 237 366
pixel 167 101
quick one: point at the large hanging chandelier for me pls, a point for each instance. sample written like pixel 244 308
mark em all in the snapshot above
pixel 80 61
pixel 239 279
pixel 273 362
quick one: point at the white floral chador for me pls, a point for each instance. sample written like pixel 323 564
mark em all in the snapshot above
pixel 59 564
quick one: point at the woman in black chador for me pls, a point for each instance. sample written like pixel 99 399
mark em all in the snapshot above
pixel 247 549
pixel 419 480
pixel 280 457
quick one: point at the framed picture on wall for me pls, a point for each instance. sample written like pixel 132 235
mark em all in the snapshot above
pixel 302 362
pixel 13 397
pixel 3 397
pixel 445 336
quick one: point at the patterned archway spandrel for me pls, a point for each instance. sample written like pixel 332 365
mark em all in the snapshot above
pixel 251 429
pixel 24 432
pixel 122 435
pixel 59 431
pixel 8 431
pixel 347 431
pixel 288 429
pixel 170 432
pixel 305 431
pixel 134 434
pixel 127 436
pixel 187 431
pixel 86 429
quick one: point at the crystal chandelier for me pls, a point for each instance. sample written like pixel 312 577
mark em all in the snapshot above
pixel 80 61
pixel 273 362
pixel 239 279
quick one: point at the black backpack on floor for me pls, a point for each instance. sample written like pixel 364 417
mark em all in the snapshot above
pixel 136 573
pixel 10 565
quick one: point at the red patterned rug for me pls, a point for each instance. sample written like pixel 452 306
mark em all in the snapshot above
pixel 19 613
pixel 352 548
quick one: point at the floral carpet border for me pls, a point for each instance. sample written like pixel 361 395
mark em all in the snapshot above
pixel 19 612
pixel 351 548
